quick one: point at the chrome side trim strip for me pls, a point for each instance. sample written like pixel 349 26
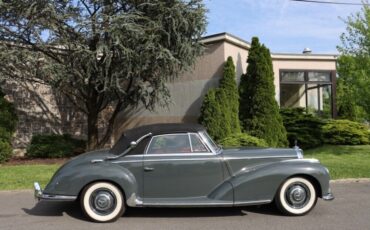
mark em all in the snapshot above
pixel 257 157
pixel 255 202
pixel 187 204
pixel 303 160
pixel 164 160
pixel 218 204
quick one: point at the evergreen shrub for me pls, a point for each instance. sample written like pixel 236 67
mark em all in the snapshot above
pixel 242 139
pixel 304 128
pixel 54 146
pixel 345 132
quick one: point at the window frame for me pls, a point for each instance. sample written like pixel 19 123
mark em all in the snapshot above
pixel 210 152
pixel 306 82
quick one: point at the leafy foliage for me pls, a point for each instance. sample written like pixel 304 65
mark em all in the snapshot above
pixel 302 127
pixel 8 123
pixel 345 132
pixel 54 146
pixel 242 139
pixel 101 54
pixel 258 109
pixel 5 150
pixel 219 111
pixel 354 67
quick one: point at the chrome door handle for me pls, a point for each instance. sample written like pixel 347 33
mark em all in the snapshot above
pixel 148 169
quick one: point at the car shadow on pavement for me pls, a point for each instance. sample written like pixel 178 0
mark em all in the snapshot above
pixel 268 209
pixel 56 209
pixel 73 210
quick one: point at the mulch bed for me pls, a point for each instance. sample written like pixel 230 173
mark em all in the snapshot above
pixel 35 161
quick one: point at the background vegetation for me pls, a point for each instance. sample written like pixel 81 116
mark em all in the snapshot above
pixel 8 123
pixel 258 109
pixel 220 108
pixel 242 139
pixel 303 128
pixel 353 97
pixel 54 146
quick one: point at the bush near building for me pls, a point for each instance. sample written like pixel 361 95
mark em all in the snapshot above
pixel 302 127
pixel 345 132
pixel 8 123
pixel 54 146
pixel 219 111
pixel 242 139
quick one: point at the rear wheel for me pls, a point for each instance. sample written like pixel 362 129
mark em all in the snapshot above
pixel 296 196
pixel 102 202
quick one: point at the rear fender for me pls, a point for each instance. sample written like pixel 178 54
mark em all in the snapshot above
pixel 71 181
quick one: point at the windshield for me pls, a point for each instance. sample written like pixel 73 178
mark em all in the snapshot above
pixel 210 142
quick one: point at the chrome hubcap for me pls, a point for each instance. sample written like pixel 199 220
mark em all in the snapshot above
pixel 297 195
pixel 102 202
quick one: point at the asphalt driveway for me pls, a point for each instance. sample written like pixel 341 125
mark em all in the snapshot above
pixel 350 210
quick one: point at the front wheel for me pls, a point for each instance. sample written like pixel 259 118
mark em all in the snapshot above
pixel 296 196
pixel 102 202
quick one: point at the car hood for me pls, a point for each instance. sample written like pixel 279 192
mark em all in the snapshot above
pixel 240 158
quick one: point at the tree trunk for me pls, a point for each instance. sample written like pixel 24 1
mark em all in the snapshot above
pixel 92 130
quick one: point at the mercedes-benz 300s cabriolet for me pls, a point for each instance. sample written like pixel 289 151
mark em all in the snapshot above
pixel 179 165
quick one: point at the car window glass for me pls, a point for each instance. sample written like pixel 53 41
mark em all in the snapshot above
pixel 172 143
pixel 197 145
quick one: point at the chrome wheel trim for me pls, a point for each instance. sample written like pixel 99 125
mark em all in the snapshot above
pixel 103 201
pixel 283 201
pixel 297 195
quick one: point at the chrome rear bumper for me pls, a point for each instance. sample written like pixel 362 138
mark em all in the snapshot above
pixel 39 195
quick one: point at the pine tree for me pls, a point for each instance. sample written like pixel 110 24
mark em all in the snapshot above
pixel 259 111
pixel 231 104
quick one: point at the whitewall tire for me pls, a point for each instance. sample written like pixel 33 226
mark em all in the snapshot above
pixel 102 202
pixel 296 196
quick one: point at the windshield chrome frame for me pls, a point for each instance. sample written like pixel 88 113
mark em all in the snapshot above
pixel 210 145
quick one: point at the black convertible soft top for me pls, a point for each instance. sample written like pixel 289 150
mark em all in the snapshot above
pixel 156 129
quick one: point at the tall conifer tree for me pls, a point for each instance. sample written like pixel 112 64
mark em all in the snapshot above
pixel 259 111
pixel 231 104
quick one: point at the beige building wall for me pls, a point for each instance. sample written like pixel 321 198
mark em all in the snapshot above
pixel 187 92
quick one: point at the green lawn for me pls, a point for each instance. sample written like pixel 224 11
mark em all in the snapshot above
pixel 23 176
pixel 343 161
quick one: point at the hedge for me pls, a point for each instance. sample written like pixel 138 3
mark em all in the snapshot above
pixel 345 132
pixel 54 146
pixel 242 139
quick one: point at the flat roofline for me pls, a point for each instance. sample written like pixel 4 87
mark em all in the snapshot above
pixel 227 37
pixel 301 56
pixel 220 37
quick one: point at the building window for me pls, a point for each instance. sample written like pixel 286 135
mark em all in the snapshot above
pixel 308 89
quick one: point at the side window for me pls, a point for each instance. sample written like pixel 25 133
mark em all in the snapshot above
pixel 197 145
pixel 171 143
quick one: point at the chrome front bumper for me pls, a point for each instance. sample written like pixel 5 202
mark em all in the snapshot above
pixel 328 197
pixel 39 195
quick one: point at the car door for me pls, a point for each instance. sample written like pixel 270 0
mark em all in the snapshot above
pixel 179 167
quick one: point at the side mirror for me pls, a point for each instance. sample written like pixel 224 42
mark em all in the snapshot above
pixel 133 144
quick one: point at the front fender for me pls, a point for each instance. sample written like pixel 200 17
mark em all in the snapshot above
pixel 262 182
pixel 71 179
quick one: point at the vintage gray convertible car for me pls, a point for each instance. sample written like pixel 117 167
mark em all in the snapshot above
pixel 179 165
